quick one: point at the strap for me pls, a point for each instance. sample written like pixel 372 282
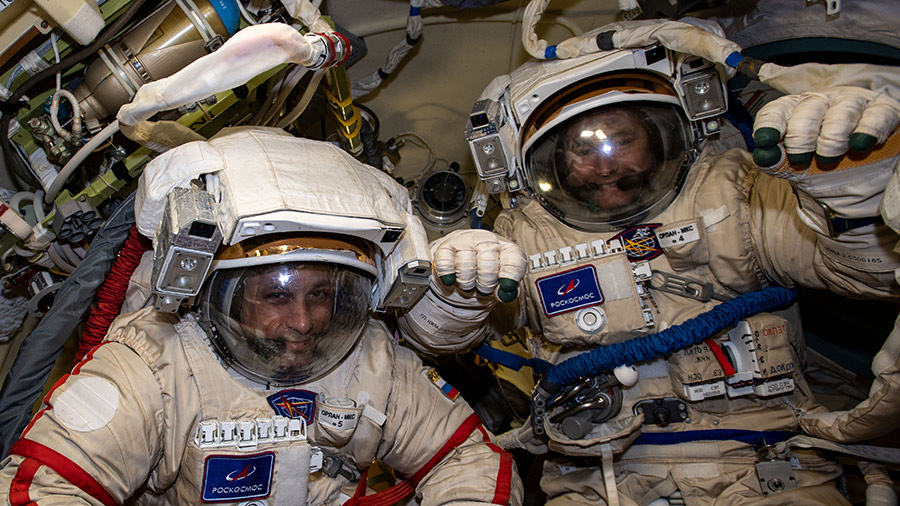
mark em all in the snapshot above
pixel 511 360
pixel 819 212
pixel 200 24
pixel 609 474
pixel 841 225
pixel 386 497
pixel 107 57
pixel 21 483
pixel 868 452
pixel 750 437
pixel 462 433
pixel 406 487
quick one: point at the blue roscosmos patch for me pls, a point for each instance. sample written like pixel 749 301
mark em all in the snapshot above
pixel 640 242
pixel 294 404
pixel 230 478
pixel 569 290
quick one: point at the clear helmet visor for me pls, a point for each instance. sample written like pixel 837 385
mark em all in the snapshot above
pixel 286 323
pixel 611 166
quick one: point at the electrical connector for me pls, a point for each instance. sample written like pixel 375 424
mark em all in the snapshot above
pixel 40 238
pixel 392 150
pixel 14 222
pixel 480 199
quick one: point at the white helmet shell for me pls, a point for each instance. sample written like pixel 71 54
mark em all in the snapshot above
pixel 264 181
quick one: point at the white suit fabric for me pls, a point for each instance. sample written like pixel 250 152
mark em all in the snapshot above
pixel 755 22
pixel 738 230
pixel 127 423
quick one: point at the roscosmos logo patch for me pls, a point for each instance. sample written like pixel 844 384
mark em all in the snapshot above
pixel 569 290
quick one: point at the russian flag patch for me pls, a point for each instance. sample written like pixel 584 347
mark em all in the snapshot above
pixel 445 388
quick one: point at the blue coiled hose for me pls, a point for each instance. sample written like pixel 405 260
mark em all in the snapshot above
pixel 694 331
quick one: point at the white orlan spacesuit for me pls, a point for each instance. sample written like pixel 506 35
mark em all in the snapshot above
pixel 632 224
pixel 207 406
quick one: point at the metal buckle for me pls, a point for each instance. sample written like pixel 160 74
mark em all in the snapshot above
pixel 775 474
pixel 579 406
pixel 678 285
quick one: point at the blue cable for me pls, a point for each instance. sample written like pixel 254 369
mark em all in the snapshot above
pixel 476 220
pixel 678 337
pixel 741 118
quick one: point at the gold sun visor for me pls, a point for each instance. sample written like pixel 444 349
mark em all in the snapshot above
pixel 275 248
pixel 627 83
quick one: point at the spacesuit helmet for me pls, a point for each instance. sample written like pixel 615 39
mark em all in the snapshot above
pixel 286 309
pixel 603 140
pixel 283 245
pixel 610 165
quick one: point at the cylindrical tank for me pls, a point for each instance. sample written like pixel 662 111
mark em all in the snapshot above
pixel 157 47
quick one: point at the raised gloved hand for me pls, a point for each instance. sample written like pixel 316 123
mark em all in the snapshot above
pixel 473 270
pixel 823 123
pixel 838 147
pixel 480 260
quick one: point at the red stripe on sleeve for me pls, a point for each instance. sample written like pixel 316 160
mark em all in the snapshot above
pixel 56 385
pixel 62 466
pixel 34 419
pixel 87 358
pixel 503 488
pixel 455 440
pixel 18 489
pixel 46 401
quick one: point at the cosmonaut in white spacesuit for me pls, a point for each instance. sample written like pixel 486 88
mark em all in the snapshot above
pixel 655 266
pixel 207 405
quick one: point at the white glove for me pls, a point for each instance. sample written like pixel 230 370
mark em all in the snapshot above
pixel 823 122
pixel 470 266
pixel 481 260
